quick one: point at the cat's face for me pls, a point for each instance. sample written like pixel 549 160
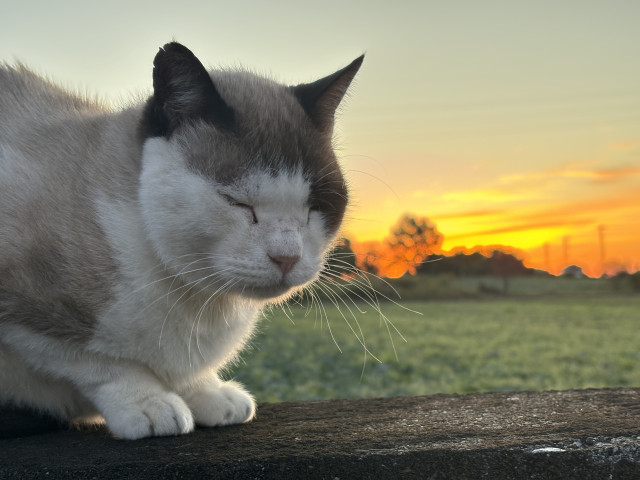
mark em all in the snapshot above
pixel 259 236
pixel 247 199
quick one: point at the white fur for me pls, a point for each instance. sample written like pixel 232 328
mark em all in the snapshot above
pixel 151 367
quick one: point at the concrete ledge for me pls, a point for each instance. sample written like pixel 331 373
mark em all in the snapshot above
pixel 570 434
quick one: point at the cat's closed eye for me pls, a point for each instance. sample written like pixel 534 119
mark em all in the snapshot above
pixel 235 203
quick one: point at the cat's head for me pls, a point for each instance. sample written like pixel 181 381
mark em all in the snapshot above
pixel 240 188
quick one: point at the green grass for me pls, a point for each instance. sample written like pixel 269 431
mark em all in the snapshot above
pixel 458 346
pixel 447 286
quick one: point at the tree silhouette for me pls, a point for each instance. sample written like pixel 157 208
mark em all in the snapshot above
pixel 369 262
pixel 459 263
pixel 411 241
pixel 506 266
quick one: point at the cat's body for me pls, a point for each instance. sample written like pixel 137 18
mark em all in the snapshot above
pixel 137 248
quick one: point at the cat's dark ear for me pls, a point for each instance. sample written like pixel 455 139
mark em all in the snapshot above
pixel 321 98
pixel 182 91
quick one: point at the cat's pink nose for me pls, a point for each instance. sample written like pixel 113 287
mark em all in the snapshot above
pixel 285 262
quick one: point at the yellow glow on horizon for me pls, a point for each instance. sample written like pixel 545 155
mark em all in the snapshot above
pixel 521 240
pixel 551 236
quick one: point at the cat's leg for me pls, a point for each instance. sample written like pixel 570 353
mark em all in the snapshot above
pixel 24 387
pixel 216 403
pixel 136 404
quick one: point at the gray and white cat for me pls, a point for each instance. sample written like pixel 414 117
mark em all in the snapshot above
pixel 138 247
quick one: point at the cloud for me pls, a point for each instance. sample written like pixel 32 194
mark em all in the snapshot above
pixel 469 214
pixel 523 228
pixel 497 194
pixel 609 174
pixel 532 185
pixel 573 172
pixel 624 146
pixel 623 201
pixel 592 208
pixel 565 215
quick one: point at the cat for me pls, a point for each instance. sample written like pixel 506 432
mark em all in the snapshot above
pixel 138 247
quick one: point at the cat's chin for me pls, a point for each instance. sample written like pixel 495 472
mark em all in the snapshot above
pixel 271 293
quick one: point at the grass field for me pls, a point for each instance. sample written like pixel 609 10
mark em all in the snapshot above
pixel 534 342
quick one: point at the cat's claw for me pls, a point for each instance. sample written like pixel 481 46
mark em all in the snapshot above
pixel 159 415
pixel 227 404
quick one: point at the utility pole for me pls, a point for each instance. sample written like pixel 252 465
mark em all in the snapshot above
pixel 547 262
pixel 601 229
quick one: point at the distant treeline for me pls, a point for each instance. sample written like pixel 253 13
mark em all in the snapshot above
pixel 496 263
pixel 476 264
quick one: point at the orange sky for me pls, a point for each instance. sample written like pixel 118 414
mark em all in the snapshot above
pixel 513 123
pixel 520 139
pixel 556 216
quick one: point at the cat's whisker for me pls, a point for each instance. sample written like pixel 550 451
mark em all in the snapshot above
pixel 309 305
pixel 369 296
pixel 229 283
pixel 366 287
pixel 284 311
pixel 160 267
pixel 192 285
pixel 361 281
pixel 351 292
pixel 331 296
pixel 366 350
pixel 374 302
pixel 182 271
pixel 334 171
pixel 329 287
pixel 324 312
pixel 364 274
pixel 371 299
pixel 226 287
pixel 327 166
pixel 171 291
pixel 375 178
pixel 286 306
pixel 316 301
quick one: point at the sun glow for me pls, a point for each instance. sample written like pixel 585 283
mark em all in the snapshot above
pixel 601 235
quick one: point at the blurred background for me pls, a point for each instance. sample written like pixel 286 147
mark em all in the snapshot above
pixel 493 152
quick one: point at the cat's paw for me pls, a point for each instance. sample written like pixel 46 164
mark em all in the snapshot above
pixel 158 415
pixel 227 404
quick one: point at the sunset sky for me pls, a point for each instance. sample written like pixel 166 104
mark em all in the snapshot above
pixel 512 123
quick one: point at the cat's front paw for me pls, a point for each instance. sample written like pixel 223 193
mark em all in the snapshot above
pixel 158 415
pixel 226 404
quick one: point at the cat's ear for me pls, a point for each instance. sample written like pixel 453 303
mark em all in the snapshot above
pixel 321 98
pixel 183 91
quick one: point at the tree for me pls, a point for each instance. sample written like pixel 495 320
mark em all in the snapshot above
pixel 506 265
pixel 411 241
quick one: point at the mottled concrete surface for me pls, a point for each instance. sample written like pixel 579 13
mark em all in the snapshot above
pixel 570 434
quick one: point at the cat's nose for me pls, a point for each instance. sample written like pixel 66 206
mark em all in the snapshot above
pixel 285 262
